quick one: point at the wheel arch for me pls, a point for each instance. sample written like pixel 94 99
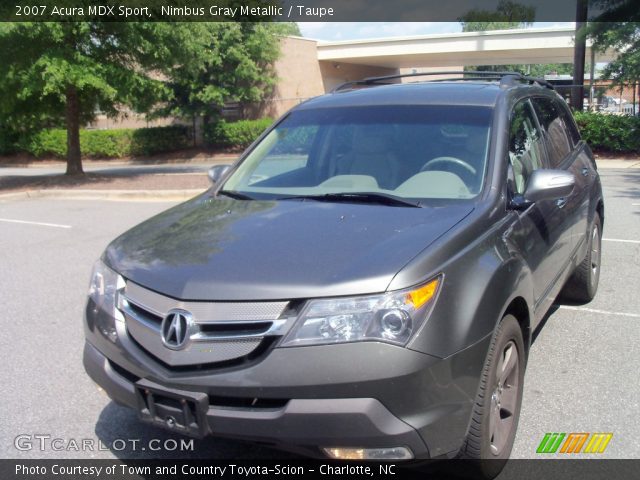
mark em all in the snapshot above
pixel 474 298
pixel 519 308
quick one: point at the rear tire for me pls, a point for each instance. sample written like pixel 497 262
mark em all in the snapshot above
pixel 494 419
pixel 583 283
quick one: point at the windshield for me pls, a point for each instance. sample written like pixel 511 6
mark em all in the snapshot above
pixel 405 152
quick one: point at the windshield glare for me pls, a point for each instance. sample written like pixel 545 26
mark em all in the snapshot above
pixel 414 152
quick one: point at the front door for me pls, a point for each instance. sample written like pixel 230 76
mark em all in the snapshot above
pixel 545 233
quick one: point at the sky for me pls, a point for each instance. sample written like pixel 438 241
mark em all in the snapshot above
pixel 359 30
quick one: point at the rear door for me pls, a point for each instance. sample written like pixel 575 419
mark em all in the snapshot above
pixel 584 169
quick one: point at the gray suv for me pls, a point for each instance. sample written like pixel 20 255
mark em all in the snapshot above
pixel 364 282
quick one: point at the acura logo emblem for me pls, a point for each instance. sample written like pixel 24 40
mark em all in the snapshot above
pixel 175 329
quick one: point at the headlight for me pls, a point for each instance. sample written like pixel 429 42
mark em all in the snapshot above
pixel 391 317
pixel 103 291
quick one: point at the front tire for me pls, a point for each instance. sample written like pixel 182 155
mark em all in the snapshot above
pixel 496 411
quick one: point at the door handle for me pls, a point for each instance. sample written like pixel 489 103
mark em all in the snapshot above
pixel 561 202
pixel 585 171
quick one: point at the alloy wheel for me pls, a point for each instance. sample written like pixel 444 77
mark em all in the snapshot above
pixel 504 399
pixel 595 252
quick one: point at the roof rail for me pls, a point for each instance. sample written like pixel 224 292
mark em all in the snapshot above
pixel 506 79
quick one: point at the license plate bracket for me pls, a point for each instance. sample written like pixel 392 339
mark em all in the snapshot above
pixel 176 410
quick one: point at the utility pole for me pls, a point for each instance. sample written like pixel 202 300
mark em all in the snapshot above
pixel 579 50
pixel 592 81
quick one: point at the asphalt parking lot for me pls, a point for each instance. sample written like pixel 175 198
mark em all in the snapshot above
pixel 583 373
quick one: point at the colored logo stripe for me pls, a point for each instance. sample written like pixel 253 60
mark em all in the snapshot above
pixel 550 443
pixel 574 442
pixel 598 442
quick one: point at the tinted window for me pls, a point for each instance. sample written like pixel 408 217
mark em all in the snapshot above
pixel 557 139
pixel 525 145
pixel 290 154
pixel 569 122
pixel 425 152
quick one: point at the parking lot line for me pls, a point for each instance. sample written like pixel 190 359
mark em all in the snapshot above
pixel 620 240
pixel 602 312
pixel 41 224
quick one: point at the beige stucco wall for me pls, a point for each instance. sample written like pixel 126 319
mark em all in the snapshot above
pixel 299 78
pixel 335 73
pixel 428 70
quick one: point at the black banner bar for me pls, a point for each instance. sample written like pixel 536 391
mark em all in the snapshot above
pixel 120 469
pixel 279 10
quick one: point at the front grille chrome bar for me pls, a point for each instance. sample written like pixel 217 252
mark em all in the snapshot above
pixel 273 327
pixel 217 331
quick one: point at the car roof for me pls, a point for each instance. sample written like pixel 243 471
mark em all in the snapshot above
pixel 454 93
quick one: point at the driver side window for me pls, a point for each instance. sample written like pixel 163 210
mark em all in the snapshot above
pixel 525 145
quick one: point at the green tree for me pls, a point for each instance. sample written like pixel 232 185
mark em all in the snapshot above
pixel 506 16
pixel 539 70
pixel 238 67
pixel 78 67
pixel 607 32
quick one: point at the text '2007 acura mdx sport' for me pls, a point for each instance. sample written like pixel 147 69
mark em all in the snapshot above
pixel 364 281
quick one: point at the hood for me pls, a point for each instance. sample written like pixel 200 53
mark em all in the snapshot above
pixel 215 248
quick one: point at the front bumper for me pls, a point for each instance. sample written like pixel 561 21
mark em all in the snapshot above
pixel 361 395
pixel 304 423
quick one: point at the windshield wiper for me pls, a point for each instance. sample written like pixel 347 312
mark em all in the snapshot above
pixel 360 197
pixel 235 194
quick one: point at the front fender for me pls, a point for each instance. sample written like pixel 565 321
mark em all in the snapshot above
pixel 478 286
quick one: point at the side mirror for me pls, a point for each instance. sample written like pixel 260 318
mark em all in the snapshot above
pixel 217 172
pixel 545 184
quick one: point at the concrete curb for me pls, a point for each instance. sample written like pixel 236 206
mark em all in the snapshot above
pixel 607 163
pixel 112 195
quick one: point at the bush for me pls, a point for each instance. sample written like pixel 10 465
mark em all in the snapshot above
pixel 45 142
pixel 235 134
pixel 8 140
pixel 613 133
pixel 147 141
pixel 105 143
pixel 109 143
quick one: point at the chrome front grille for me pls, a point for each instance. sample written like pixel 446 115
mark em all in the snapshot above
pixel 218 332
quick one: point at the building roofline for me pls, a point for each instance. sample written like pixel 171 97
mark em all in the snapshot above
pixel 296 37
pixel 434 36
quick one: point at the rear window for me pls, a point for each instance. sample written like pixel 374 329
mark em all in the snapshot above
pixel 417 152
pixel 565 114
pixel 557 139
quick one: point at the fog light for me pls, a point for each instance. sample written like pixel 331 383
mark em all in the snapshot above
pixel 392 453
pixel 101 390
